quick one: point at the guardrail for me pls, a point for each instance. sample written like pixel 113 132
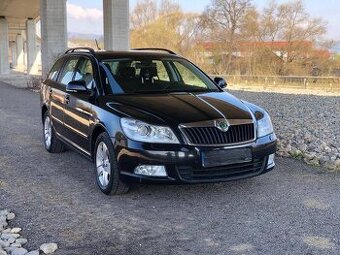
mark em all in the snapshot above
pixel 326 84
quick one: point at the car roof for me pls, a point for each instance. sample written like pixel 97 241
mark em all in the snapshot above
pixel 104 54
pixel 101 55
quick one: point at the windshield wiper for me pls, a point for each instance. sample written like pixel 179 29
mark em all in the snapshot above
pixel 172 91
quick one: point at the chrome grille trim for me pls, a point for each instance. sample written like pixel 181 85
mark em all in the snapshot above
pixel 211 123
pixel 205 133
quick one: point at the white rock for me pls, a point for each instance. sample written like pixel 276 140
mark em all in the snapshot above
pixel 10 216
pixel 3 219
pixel 48 248
pixel 21 241
pixel 10 249
pixel 308 156
pixel 17 245
pixel 33 253
pixel 19 251
pixel 4 244
pixel 11 240
pixel 4 212
pixel 16 230
pixel 6 236
pixel 337 162
pixel 2 252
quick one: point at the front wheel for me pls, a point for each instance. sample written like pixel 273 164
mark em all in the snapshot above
pixel 107 173
pixel 51 142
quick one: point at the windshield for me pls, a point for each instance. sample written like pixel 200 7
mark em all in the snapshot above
pixel 155 76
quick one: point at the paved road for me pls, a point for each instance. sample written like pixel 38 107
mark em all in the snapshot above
pixel 292 210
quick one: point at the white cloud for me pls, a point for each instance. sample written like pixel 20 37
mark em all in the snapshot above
pixel 80 13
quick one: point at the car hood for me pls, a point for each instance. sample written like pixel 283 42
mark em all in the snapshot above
pixel 179 108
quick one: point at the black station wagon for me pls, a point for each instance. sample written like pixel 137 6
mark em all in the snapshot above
pixel 149 115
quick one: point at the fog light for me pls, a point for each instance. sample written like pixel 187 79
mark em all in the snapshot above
pixel 271 161
pixel 148 170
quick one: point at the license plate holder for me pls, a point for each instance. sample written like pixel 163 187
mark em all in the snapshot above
pixel 224 157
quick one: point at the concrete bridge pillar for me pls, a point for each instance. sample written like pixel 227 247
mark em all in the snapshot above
pixel 13 48
pixel 31 44
pixel 116 24
pixel 53 32
pixel 20 52
pixel 4 46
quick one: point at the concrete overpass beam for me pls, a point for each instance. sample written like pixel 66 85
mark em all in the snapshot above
pixel 53 31
pixel 20 52
pixel 4 46
pixel 31 44
pixel 116 24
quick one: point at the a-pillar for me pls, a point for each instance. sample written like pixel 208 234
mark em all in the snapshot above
pixel 53 32
pixel 31 44
pixel 116 24
pixel 20 52
pixel 4 63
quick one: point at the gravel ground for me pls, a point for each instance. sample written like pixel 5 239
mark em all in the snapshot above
pixel 294 209
pixel 308 127
pixel 11 241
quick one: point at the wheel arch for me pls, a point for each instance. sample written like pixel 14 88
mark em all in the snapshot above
pixel 44 109
pixel 97 130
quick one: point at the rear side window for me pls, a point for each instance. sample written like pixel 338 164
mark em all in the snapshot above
pixel 53 75
pixel 68 71
pixel 85 72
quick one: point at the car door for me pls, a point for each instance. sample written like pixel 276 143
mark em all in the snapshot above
pixel 56 94
pixel 78 108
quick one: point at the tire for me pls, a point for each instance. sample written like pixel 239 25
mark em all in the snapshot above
pixel 51 141
pixel 106 169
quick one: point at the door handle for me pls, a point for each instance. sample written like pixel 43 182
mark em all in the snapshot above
pixel 67 99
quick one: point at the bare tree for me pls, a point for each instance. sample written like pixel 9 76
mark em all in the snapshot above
pixel 144 13
pixel 171 29
pixel 232 36
pixel 291 23
pixel 272 22
pixel 168 6
pixel 223 20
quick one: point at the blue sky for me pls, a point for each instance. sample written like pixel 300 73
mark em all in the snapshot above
pixel 85 15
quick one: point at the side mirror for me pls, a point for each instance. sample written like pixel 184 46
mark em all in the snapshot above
pixel 220 82
pixel 77 87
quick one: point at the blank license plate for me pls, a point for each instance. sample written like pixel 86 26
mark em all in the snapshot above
pixel 225 157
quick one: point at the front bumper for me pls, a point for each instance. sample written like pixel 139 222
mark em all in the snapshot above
pixel 184 163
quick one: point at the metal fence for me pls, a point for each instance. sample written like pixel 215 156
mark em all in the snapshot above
pixel 325 84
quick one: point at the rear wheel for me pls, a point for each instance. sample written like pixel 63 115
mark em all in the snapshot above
pixel 107 173
pixel 52 143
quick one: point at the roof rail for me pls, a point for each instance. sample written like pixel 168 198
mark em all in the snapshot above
pixel 90 50
pixel 157 49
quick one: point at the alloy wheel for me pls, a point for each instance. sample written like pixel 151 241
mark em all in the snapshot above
pixel 48 132
pixel 103 164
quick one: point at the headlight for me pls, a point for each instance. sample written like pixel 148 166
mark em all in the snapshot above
pixel 264 126
pixel 142 132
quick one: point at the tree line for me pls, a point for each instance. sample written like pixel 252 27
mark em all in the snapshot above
pixel 235 37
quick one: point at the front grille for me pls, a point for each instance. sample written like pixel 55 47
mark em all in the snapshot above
pixel 229 172
pixel 214 136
